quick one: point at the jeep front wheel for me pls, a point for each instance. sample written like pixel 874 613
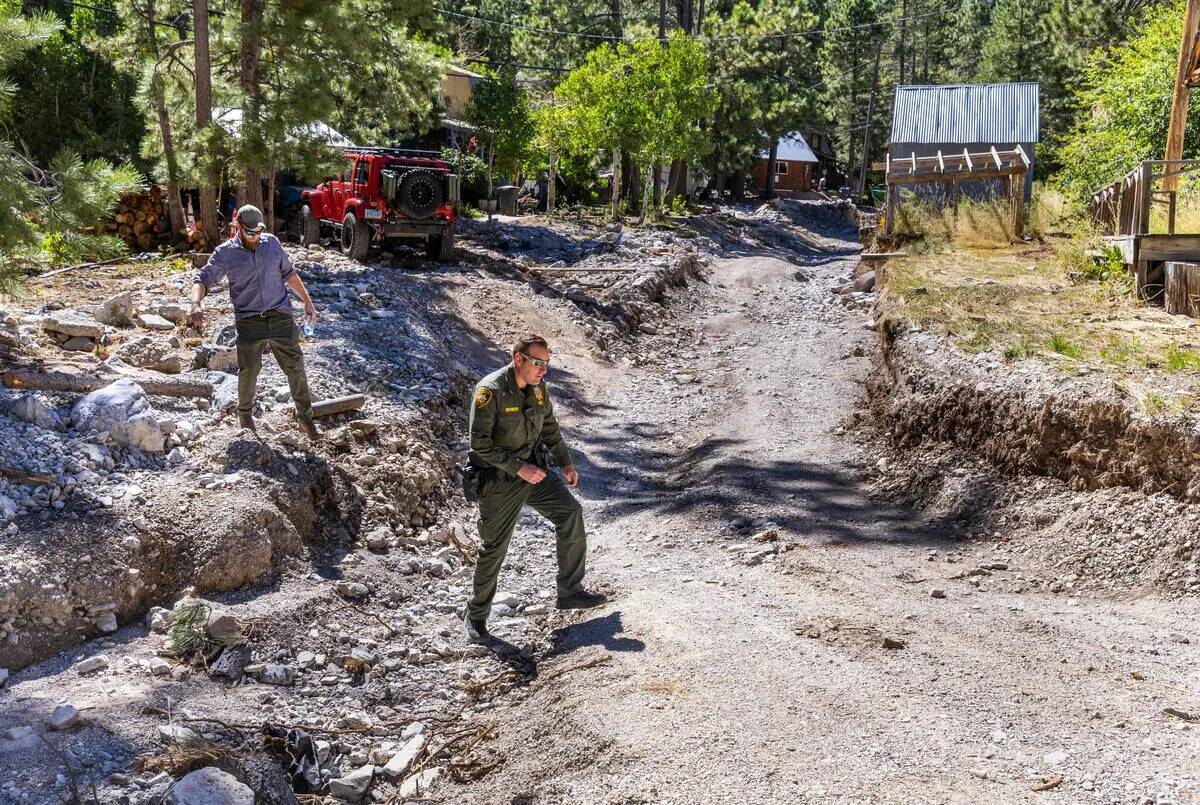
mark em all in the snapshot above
pixel 310 227
pixel 440 247
pixel 356 237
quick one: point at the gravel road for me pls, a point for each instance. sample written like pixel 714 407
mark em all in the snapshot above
pixel 862 655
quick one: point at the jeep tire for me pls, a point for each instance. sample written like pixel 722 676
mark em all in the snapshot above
pixel 420 194
pixel 356 237
pixel 439 247
pixel 310 227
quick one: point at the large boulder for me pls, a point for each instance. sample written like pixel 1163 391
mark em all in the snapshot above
pixel 117 311
pixel 123 410
pixel 32 407
pixel 148 352
pixel 210 786
pixel 72 323
pixel 218 357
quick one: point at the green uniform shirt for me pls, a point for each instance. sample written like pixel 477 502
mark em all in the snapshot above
pixel 507 422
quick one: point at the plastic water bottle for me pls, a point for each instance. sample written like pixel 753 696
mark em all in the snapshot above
pixel 309 330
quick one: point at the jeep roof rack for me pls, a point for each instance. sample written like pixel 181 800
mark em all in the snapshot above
pixel 394 152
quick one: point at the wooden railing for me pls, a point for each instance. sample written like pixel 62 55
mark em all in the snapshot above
pixel 1123 207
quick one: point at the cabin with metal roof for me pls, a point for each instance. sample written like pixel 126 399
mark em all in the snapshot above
pixel 971 118
pixel 795 166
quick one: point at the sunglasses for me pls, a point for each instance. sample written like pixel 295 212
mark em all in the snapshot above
pixel 251 233
pixel 538 362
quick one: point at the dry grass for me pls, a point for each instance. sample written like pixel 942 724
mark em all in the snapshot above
pixel 1046 302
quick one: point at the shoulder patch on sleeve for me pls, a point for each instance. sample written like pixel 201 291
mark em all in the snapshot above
pixel 483 396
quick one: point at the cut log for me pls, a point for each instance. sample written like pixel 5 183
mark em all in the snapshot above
pixel 338 405
pixel 1182 282
pixel 23 477
pixel 82 384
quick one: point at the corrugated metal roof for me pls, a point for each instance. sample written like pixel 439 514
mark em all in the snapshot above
pixel 792 148
pixel 966 113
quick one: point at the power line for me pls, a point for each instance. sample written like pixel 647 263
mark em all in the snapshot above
pixel 731 37
pixel 547 68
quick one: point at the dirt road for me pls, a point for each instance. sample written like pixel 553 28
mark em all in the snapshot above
pixel 738 675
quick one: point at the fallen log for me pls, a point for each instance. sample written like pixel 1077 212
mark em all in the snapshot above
pixel 338 405
pixel 82 384
pixel 23 477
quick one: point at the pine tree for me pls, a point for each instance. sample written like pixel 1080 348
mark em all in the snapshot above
pixel 855 30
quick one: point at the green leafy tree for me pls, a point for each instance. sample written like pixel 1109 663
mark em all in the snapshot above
pixel 1127 91
pixel 501 113
pixel 49 213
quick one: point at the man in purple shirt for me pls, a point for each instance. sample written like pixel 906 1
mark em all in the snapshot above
pixel 260 274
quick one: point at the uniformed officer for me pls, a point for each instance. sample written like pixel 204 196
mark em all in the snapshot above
pixel 510 414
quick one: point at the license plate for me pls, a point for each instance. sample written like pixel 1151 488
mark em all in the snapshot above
pixel 373 214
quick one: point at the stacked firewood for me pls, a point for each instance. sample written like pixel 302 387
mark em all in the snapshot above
pixel 142 220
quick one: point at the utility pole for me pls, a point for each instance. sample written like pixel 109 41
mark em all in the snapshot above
pixel 1183 83
pixel 866 152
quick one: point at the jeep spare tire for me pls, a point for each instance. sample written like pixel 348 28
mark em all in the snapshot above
pixel 420 194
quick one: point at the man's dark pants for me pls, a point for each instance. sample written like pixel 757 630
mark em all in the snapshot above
pixel 279 331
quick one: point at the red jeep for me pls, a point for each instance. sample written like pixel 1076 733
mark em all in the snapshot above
pixel 384 193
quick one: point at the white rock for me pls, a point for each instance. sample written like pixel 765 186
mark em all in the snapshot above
pixel 354 785
pixel 419 783
pixel 178 455
pixel 210 786
pixel 92 664
pixel 160 667
pixel 148 352
pixel 221 625
pixel 276 675
pixel 117 311
pixel 152 321
pixel 177 734
pixel 352 589
pixel 122 409
pixel 72 323
pixel 64 717
pixel 397 767
pixel 3 677
pixel 161 619
pixel 32 407
pixel 107 622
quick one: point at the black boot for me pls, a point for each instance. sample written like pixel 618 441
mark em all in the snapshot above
pixel 476 630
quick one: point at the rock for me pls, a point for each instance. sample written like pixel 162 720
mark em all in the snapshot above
pixel 379 539
pixel 217 357
pixel 937 593
pixel 64 717
pixel 757 555
pixel 159 667
pixel 178 455
pixel 892 643
pixel 398 766
pixel 79 344
pixel 152 321
pixel 3 677
pixel 210 786
pixel 18 733
pixel 117 311
pixel 225 391
pixel 172 312
pixel 107 622
pixel 91 664
pixel 353 787
pixel 507 599
pixel 177 734
pixel 281 675
pixel 352 589
pixel 123 410
pixel 865 283
pixel 72 323
pixel 32 407
pixel 161 619
pixel 419 783
pixel 232 662
pixel 221 625
pixel 148 352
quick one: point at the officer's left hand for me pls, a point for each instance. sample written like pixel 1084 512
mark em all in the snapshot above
pixel 571 475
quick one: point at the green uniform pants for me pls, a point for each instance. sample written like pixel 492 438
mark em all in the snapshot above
pixel 280 331
pixel 500 504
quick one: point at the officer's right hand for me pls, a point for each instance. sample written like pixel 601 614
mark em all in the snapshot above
pixel 196 317
pixel 531 474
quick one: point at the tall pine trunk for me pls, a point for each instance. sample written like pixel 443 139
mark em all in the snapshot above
pixel 253 143
pixel 772 158
pixel 175 213
pixel 645 197
pixel 208 188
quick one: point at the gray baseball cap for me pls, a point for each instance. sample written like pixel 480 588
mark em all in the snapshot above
pixel 250 218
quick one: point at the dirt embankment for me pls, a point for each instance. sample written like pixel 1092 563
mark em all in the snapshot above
pixel 1086 431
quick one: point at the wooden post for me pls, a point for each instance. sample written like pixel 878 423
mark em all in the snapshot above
pixel 1016 184
pixel 1144 181
pixel 1179 99
pixel 890 214
pixel 1171 211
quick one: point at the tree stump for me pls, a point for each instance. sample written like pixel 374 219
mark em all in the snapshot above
pixel 1182 282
